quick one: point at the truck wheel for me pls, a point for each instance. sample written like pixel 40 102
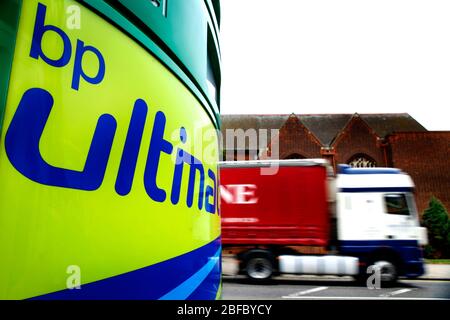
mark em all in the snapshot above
pixel 387 272
pixel 259 267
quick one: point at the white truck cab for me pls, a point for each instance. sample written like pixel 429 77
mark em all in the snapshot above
pixel 377 204
pixel 377 218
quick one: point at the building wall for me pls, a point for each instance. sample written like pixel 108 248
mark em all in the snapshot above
pixel 424 156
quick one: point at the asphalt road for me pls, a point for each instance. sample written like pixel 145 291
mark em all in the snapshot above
pixel 332 288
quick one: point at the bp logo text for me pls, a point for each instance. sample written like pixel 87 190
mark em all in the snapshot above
pixel 29 121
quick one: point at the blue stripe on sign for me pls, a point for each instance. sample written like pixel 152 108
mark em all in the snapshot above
pixel 209 287
pixel 184 290
pixel 152 282
pixel 383 189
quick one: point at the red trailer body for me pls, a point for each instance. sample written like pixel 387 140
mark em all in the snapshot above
pixel 288 208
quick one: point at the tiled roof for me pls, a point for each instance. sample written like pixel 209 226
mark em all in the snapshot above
pixel 325 126
pixel 252 121
pixel 387 123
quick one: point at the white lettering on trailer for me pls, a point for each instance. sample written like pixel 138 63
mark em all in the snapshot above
pixel 245 220
pixel 239 193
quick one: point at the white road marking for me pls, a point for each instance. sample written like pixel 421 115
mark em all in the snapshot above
pixel 358 298
pixel 393 293
pixel 423 280
pixel 297 294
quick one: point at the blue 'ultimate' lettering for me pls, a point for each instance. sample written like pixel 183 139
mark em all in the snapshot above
pixel 22 145
pixel 211 193
pixel 131 149
pixel 29 121
pixel 195 166
pixel 157 145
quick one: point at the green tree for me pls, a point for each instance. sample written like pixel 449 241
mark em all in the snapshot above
pixel 435 219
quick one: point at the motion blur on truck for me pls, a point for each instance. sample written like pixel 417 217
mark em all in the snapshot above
pixel 301 218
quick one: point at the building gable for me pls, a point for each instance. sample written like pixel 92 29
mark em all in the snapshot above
pixel 295 141
pixel 357 139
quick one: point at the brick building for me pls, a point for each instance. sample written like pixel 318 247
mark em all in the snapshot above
pixel 425 156
pixel 361 140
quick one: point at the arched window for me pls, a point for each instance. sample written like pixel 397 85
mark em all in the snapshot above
pixel 294 156
pixel 361 160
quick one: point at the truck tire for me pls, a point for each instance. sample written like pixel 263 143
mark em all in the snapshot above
pixel 388 273
pixel 259 266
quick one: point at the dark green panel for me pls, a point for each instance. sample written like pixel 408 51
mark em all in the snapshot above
pixel 9 20
pixel 181 28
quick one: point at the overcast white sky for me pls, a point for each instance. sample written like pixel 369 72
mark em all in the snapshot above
pixel 332 56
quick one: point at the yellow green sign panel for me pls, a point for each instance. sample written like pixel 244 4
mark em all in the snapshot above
pixel 108 168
